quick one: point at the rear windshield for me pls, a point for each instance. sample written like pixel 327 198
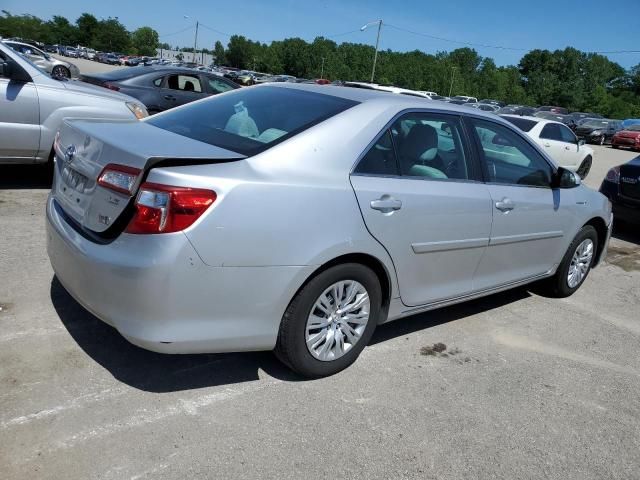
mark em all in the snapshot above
pixel 251 120
pixel 522 123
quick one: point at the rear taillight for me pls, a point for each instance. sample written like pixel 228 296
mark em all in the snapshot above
pixel 166 209
pixel 613 175
pixel 111 86
pixel 119 178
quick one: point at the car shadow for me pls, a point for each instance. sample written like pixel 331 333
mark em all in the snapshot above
pixel 159 373
pixel 626 232
pixel 25 177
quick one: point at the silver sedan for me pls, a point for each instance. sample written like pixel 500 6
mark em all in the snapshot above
pixel 298 217
pixel 53 66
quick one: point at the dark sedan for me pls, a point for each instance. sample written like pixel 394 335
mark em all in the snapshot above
pixel 557 117
pixel 161 88
pixel 600 131
pixel 553 109
pixel 622 187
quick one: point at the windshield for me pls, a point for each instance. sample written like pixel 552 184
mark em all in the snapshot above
pixel 633 128
pixel 251 120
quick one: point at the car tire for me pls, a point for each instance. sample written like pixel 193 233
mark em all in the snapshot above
pixel 60 71
pixel 614 146
pixel 296 330
pixel 585 167
pixel 579 259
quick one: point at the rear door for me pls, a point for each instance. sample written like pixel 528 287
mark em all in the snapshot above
pixel 530 219
pixel 19 120
pixel 419 192
pixel 181 88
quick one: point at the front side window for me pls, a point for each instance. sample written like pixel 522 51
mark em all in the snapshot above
pixel 508 158
pixel 429 145
pixel 567 135
pixel 186 83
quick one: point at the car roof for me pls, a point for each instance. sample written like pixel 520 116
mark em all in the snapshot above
pixel 363 95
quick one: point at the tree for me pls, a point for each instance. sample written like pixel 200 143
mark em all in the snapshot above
pixel 61 31
pixel 145 40
pixel 87 28
pixel 112 36
pixel 239 52
pixel 219 53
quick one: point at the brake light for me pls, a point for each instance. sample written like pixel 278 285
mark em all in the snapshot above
pixel 111 86
pixel 119 178
pixel 613 175
pixel 167 209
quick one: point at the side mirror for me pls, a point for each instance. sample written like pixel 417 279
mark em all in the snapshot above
pixel 5 69
pixel 581 142
pixel 564 178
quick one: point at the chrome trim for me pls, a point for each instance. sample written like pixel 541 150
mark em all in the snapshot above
pixel 449 245
pixel 525 237
pixel 471 296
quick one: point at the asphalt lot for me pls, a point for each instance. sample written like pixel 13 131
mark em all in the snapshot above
pixel 528 387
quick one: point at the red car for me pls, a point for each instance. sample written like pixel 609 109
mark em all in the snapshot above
pixel 627 138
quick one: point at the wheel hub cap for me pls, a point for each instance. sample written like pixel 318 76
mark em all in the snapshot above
pixel 580 263
pixel 337 320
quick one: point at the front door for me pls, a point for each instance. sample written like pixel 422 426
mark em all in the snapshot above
pixel 530 221
pixel 19 119
pixel 421 198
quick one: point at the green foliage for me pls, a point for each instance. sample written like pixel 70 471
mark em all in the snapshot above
pixel 145 41
pixel 569 78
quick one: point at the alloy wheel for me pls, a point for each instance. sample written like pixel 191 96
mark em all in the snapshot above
pixel 59 71
pixel 580 263
pixel 337 320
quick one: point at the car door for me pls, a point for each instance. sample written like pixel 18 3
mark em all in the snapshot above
pixel 19 119
pixel 551 142
pixel 573 153
pixel 529 218
pixel 421 197
pixel 181 88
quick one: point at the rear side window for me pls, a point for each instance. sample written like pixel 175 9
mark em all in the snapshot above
pixel 186 83
pixel 380 159
pixel 251 120
pixel 523 124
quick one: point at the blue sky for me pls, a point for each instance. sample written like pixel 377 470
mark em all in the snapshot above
pixel 587 24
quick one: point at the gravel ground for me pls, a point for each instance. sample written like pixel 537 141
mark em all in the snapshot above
pixel 522 387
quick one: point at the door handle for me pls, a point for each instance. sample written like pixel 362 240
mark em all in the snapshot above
pixel 547 144
pixel 386 204
pixel 567 148
pixel 169 97
pixel 505 205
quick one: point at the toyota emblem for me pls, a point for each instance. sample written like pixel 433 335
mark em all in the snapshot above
pixel 69 153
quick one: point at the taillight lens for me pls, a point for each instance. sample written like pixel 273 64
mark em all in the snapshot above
pixel 119 178
pixel 167 209
pixel 613 175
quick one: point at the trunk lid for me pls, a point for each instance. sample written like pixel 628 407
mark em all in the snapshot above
pixel 630 179
pixel 84 147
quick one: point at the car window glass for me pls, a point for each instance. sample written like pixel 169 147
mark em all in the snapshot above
pixel 567 135
pixel 219 86
pixel 551 131
pixel 430 146
pixel 508 158
pixel 380 159
pixel 186 83
pixel 157 82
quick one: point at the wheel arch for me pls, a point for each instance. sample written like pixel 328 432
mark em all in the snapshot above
pixel 601 229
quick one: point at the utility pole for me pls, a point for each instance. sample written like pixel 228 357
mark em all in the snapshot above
pixel 453 74
pixel 195 43
pixel 322 69
pixel 375 56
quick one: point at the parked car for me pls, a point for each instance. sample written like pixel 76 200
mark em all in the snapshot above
pixel 558 141
pixel 550 108
pixel 630 121
pixel 53 66
pixel 111 59
pixel 161 88
pixel 598 131
pixel 33 104
pixel 628 137
pixel 184 240
pixel 578 116
pixel 557 117
pixel 492 102
pixel 465 99
pixel 70 52
pixel 622 188
pixel 521 110
pixel 485 107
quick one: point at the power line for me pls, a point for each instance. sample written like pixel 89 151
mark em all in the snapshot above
pixel 214 30
pixel 176 33
pixel 499 47
pixel 340 34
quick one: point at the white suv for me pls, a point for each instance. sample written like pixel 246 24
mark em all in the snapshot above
pixel 558 141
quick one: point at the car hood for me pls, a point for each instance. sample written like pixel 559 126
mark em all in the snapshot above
pixel 88 89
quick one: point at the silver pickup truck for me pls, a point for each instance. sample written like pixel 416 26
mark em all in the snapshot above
pixel 33 104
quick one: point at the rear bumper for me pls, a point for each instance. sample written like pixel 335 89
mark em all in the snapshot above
pixel 157 293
